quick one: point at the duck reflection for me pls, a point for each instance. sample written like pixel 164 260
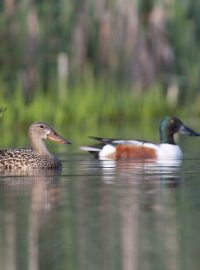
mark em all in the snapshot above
pixel 166 173
pixel 30 195
pixel 147 217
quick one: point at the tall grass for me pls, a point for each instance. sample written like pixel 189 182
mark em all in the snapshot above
pixel 85 104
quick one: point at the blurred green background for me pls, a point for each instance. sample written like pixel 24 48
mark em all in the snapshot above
pixel 84 63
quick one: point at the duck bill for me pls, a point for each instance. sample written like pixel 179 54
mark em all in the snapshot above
pixel 53 136
pixel 188 131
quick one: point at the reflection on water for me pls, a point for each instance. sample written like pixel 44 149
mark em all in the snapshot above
pixel 101 215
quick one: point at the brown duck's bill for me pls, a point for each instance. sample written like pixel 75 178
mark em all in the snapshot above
pixel 57 138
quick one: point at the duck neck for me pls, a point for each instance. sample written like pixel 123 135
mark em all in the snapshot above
pixel 167 137
pixel 38 145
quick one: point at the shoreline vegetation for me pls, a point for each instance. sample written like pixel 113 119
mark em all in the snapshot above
pixel 87 104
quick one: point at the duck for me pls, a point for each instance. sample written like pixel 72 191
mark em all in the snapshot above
pixel 167 149
pixel 37 156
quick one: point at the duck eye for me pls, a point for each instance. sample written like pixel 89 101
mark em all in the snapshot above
pixel 41 126
pixel 172 121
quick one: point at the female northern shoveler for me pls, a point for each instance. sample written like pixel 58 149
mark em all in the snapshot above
pixel 36 157
pixel 124 149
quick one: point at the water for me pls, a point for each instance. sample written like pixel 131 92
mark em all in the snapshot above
pixel 96 215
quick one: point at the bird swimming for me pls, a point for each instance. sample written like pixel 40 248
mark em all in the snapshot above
pixel 36 157
pixel 116 149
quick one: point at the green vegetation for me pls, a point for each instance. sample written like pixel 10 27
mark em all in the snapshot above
pixel 87 104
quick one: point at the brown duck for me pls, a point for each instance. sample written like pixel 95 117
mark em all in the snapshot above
pixel 37 157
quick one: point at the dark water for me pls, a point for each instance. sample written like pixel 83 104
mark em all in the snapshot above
pixel 98 215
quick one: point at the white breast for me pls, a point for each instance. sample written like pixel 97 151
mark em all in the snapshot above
pixel 169 152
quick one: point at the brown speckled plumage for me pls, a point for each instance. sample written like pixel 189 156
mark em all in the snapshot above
pixel 37 157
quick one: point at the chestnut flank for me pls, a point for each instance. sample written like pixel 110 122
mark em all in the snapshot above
pixel 134 151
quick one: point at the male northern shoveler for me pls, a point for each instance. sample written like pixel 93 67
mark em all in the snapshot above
pixel 36 157
pixel 124 149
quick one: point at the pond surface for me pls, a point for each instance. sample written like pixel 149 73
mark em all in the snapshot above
pixel 96 215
